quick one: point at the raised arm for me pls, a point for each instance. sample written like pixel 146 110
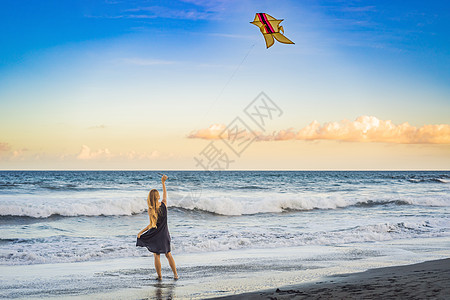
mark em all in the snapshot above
pixel 163 180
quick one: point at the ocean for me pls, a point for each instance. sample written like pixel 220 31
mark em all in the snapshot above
pixel 76 230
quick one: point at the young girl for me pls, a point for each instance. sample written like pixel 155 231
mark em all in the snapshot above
pixel 156 237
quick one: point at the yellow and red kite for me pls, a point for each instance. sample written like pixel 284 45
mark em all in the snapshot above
pixel 270 28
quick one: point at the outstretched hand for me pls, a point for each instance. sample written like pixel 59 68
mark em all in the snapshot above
pixel 164 178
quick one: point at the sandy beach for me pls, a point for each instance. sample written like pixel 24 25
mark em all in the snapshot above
pixel 427 280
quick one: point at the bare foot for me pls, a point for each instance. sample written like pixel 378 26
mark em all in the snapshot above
pixel 175 277
pixel 158 278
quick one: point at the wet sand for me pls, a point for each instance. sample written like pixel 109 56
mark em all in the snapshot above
pixel 427 280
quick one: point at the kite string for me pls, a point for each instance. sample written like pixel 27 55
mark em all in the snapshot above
pixel 229 80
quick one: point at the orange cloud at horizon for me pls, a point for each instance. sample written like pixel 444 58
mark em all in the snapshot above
pixel 367 129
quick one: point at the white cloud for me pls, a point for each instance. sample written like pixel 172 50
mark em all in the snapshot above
pixel 87 154
pixel 210 133
pixel 364 129
pixel 133 155
pixel 150 12
pixel 8 153
pixel 101 154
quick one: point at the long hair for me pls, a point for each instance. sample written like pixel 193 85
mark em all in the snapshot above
pixel 153 207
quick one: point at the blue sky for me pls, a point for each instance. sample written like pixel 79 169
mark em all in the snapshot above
pixel 137 66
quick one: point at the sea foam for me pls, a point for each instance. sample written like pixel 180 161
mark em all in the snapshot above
pixel 221 205
pixel 240 205
pixel 43 208
pixel 63 249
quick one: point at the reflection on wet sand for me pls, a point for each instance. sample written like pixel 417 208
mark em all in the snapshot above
pixel 163 291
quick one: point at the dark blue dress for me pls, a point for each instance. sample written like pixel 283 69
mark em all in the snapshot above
pixel 157 240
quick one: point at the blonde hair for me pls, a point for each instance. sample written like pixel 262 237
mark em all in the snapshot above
pixel 153 207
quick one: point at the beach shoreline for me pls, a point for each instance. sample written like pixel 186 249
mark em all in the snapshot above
pixel 426 280
pixel 242 274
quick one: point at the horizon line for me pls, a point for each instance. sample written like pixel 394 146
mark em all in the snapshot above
pixel 231 170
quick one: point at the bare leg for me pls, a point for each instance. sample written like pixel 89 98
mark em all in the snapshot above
pixel 157 265
pixel 172 264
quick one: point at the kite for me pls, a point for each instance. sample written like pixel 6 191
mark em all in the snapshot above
pixel 270 28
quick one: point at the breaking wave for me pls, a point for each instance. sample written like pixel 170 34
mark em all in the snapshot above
pixel 244 206
pixel 228 206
